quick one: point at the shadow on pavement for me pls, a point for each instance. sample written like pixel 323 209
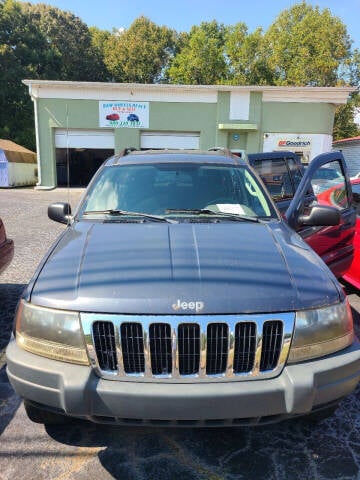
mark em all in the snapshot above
pixel 9 401
pixel 9 296
pixel 293 449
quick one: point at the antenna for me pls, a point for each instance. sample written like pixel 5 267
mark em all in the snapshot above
pixel 67 161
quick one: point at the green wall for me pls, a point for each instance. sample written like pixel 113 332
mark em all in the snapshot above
pixel 298 117
pixel 198 117
pixel 248 140
pixel 77 114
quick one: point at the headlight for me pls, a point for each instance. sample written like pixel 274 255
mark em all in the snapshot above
pixel 321 331
pixel 50 333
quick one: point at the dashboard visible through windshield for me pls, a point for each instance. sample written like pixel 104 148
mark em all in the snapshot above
pixel 177 189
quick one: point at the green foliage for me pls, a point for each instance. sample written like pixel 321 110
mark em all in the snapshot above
pixel 248 62
pixel 68 41
pixel 21 52
pixel 351 74
pixel 39 42
pixel 99 39
pixel 303 46
pixel 140 53
pixel 306 46
pixel 201 61
pixel 344 125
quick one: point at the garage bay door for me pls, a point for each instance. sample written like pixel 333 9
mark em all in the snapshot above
pixel 175 140
pixel 79 153
pixel 84 138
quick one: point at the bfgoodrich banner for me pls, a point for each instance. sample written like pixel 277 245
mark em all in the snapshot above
pixel 123 114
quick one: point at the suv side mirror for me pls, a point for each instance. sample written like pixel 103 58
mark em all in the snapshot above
pixel 59 212
pixel 320 215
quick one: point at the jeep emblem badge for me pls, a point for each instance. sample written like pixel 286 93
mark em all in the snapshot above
pixel 194 305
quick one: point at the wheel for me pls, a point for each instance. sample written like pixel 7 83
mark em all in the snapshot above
pixel 38 415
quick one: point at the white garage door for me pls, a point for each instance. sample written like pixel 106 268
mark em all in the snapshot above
pixel 170 140
pixel 74 138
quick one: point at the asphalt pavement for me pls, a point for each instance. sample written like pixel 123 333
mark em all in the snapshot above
pixel 289 450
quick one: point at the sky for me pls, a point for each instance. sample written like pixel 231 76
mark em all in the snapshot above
pixel 181 15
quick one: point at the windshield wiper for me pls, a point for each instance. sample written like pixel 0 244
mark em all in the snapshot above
pixel 157 218
pixel 205 211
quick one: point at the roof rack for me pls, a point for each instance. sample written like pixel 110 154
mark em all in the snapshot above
pixel 126 151
pixel 225 150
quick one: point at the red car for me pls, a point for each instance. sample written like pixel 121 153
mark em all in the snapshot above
pixel 285 173
pixel 335 196
pixel 352 276
pixel 6 248
pixel 113 116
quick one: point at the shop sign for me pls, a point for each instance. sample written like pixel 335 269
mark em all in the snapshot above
pixel 124 114
pixel 294 143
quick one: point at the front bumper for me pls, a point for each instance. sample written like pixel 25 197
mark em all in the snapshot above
pixel 77 391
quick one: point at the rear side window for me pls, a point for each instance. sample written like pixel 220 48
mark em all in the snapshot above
pixel 295 172
pixel 280 176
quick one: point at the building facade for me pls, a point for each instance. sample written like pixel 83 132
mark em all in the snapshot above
pixel 350 147
pixel 79 124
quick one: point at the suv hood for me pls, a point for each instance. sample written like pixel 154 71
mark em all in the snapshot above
pixel 154 268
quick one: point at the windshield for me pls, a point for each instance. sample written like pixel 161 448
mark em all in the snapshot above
pixel 177 189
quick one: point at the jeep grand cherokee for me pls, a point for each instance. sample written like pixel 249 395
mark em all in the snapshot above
pixel 178 295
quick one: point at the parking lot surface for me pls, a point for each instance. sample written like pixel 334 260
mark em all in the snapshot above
pixel 289 450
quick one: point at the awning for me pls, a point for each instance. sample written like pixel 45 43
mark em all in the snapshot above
pixel 245 127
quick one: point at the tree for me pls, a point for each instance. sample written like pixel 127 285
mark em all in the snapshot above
pixel 22 51
pixel 344 125
pixel 99 39
pixel 69 41
pixel 304 46
pixel 307 46
pixel 39 42
pixel 140 53
pixel 351 73
pixel 246 54
pixel 201 60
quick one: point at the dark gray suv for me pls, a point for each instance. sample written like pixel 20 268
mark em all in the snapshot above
pixel 178 295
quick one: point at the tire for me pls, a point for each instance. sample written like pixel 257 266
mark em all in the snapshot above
pixel 38 415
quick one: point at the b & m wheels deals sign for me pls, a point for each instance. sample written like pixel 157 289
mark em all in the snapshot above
pixel 124 114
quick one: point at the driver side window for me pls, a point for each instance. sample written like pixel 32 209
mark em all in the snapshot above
pixel 330 187
pixel 356 197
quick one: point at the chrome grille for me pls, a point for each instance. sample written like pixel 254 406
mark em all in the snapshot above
pixel 167 348
pixel 272 340
pixel 104 341
pixel 160 349
pixel 189 348
pixel 217 348
pixel 132 346
pixel 245 347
